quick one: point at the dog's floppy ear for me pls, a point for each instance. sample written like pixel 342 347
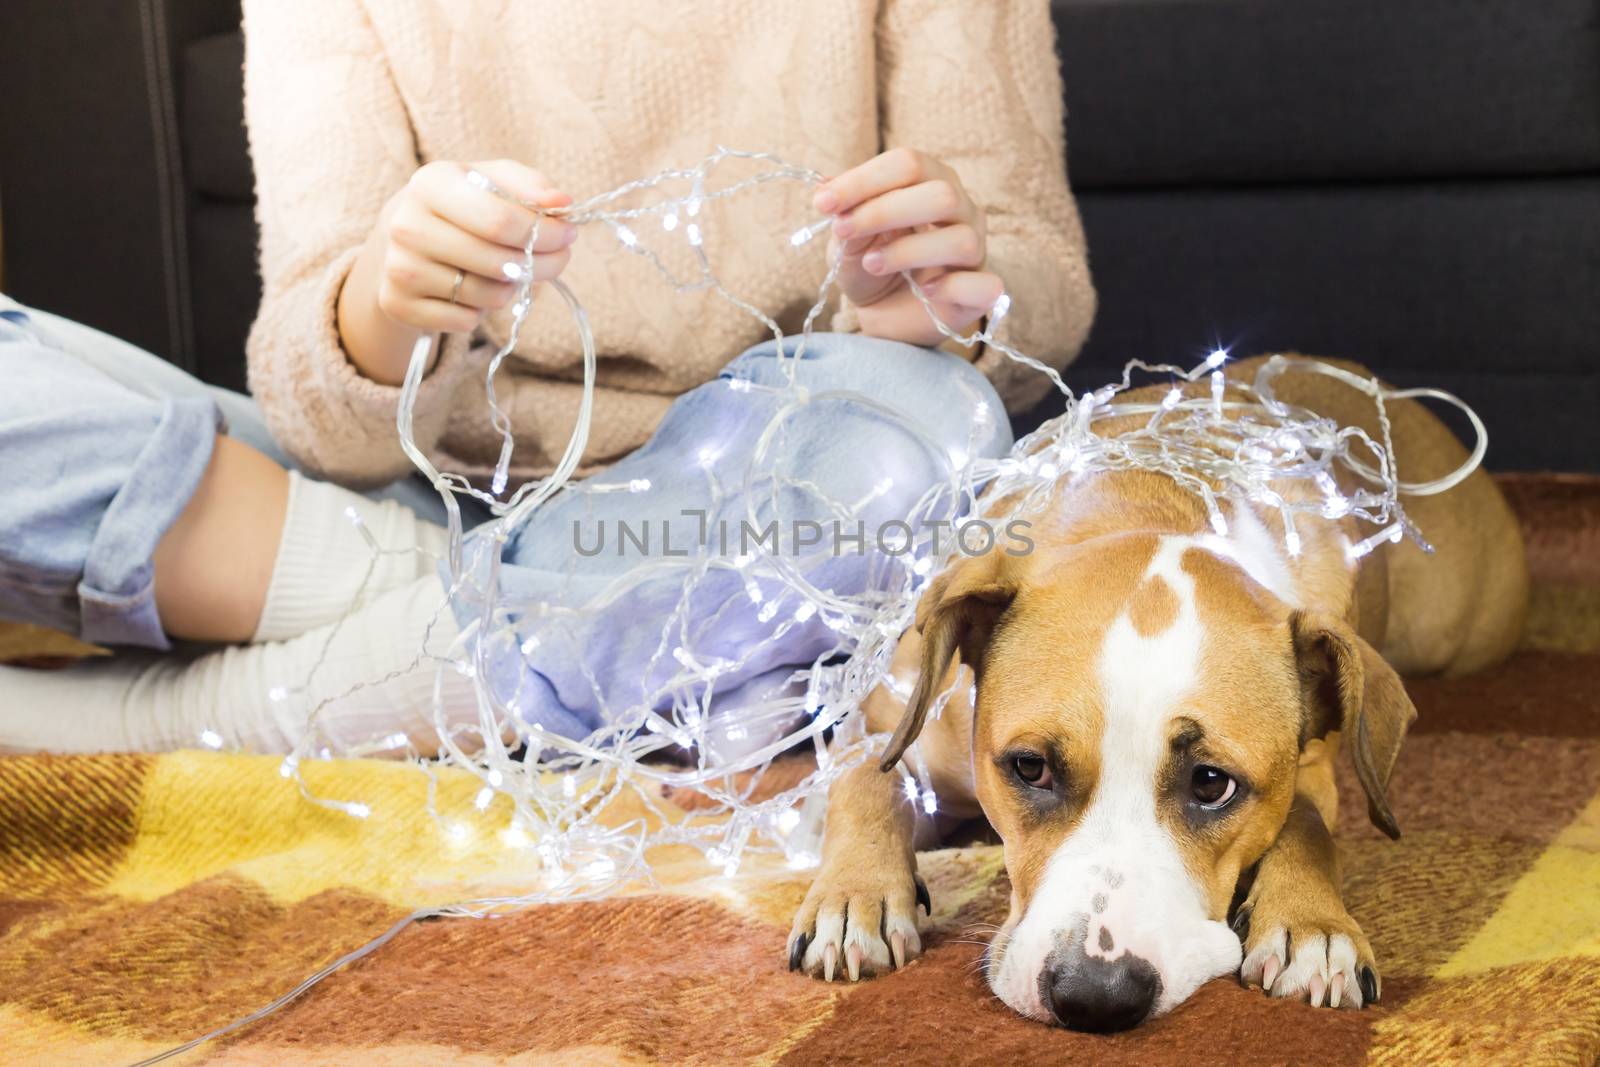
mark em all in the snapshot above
pixel 1348 687
pixel 957 613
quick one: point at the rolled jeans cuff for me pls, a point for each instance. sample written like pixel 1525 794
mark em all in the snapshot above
pixel 116 596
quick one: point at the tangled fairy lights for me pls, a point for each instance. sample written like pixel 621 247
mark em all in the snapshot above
pixel 1232 443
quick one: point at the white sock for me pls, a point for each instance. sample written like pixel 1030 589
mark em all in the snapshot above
pixel 141 702
pixel 323 558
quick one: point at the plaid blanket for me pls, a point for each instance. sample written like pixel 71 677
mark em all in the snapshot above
pixel 146 900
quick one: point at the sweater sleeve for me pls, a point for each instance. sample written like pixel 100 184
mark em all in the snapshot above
pixel 976 85
pixel 331 142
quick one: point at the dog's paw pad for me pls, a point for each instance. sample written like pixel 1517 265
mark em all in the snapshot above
pixel 852 928
pixel 1326 966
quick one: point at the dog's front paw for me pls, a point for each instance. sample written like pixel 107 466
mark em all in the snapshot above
pixel 858 919
pixel 1321 958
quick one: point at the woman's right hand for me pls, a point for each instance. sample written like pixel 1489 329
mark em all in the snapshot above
pixel 441 223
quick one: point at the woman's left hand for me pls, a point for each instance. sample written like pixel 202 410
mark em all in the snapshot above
pixel 904 210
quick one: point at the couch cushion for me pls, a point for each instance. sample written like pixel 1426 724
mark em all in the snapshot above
pixel 1174 92
pixel 216 150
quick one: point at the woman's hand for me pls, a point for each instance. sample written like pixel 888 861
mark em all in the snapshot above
pixel 444 252
pixel 904 210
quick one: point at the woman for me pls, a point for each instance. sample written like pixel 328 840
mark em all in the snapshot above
pixel 365 120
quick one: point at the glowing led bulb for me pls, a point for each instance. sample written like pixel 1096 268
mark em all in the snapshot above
pixel 598 869
pixel 639 485
pixel 495 778
pixel 1173 398
pixel 210 739
pixel 484 798
pixel 1217 358
pixel 627 236
pixel 669 221
pixel 788 821
pixel 910 784
pixel 277 693
pixel 804 611
pixel 930 803
pixel 1218 522
pixel 569 786
pixel 1291 541
pixel 529 644
pixel 357 810
pixel 998 311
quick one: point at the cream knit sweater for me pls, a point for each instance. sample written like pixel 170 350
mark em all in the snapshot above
pixel 345 98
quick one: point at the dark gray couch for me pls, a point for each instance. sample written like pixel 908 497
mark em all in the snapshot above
pixel 1412 183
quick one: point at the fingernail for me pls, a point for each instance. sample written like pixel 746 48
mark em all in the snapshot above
pixel 843 226
pixel 873 262
pixel 512 270
pixel 825 201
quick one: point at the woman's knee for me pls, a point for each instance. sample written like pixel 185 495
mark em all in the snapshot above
pixel 942 395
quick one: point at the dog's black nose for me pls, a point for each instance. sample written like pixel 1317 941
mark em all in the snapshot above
pixel 1100 996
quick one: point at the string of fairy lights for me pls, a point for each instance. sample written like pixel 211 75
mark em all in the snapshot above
pixel 1232 443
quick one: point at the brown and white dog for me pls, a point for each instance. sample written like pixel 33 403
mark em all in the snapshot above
pixel 1157 713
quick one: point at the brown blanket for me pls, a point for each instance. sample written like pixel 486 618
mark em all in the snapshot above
pixel 145 900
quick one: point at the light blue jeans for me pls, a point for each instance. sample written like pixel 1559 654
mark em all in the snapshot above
pixel 102 445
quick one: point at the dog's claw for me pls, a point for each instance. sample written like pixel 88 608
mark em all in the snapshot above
pixel 1335 990
pixel 1369 986
pixel 897 949
pixel 797 951
pixel 1269 973
pixel 830 960
pixel 852 962
pixel 1241 923
pixel 1318 988
pixel 923 899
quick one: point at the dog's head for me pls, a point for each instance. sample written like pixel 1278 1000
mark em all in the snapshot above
pixel 1142 705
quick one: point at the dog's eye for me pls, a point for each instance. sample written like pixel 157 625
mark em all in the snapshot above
pixel 1033 770
pixel 1212 788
